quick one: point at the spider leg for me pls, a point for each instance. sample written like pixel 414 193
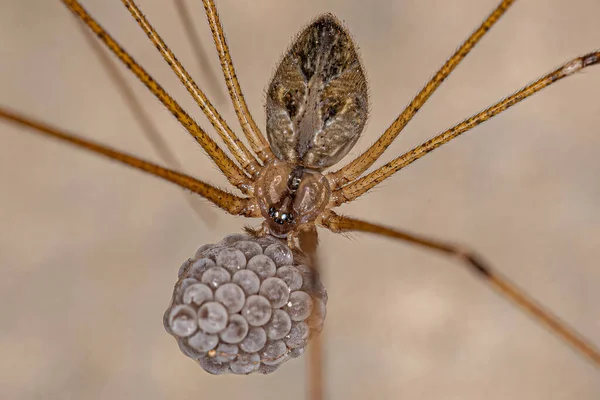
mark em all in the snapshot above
pixel 144 119
pixel 360 164
pixel 257 141
pixel 230 203
pixel 234 174
pixel 199 51
pixel 233 143
pixel 308 241
pixel 316 380
pixel 362 185
pixel 337 223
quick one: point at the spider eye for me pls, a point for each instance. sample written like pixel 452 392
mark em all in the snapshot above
pixel 287 217
pixel 281 218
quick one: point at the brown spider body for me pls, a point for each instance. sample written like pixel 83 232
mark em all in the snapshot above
pixel 317 106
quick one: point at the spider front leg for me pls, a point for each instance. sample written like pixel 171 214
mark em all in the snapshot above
pixel 189 27
pixel 227 201
pixel 339 224
pixel 362 185
pixel 234 174
pixel 243 156
pixel 360 164
pixel 257 140
pixel 143 118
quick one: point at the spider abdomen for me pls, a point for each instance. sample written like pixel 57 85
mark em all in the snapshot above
pixel 317 101
pixel 245 305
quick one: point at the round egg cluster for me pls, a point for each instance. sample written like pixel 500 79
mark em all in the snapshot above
pixel 245 305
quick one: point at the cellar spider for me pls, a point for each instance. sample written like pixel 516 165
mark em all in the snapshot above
pixel 547 355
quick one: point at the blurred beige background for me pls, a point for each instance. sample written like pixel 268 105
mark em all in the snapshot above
pixel 89 250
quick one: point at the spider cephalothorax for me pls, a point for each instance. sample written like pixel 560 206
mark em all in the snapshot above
pixel 290 196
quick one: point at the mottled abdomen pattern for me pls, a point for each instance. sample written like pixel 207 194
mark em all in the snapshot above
pixel 317 102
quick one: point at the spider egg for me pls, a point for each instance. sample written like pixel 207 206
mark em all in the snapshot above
pixel 245 305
